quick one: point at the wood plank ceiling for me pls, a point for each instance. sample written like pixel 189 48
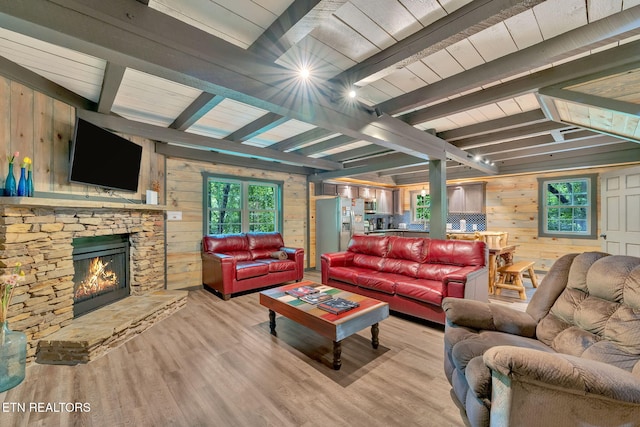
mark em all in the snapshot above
pixel 490 86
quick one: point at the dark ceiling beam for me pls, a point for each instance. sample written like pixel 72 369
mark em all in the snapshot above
pixel 227 159
pixel 256 127
pixel 617 155
pixel 555 148
pixel 271 44
pixel 134 35
pixel 509 134
pixel 607 155
pixel 411 169
pixel 204 103
pixel 301 139
pixel 524 143
pixel 113 74
pixel 503 123
pixel 162 134
pixel 582 39
pixel 20 74
pixel 469 19
pixel 399 159
pixel 358 153
pixel 325 145
pixel 391 161
pixel 624 56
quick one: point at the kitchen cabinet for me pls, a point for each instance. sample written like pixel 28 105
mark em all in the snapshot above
pixel 467 198
pixel 398 209
pixel 385 201
pixel 347 191
pixel 366 193
pixel 326 189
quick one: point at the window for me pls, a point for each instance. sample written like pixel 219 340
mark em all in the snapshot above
pixel 420 207
pixel 238 206
pixel 568 207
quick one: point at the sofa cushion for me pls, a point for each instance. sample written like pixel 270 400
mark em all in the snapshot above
pixel 225 243
pixel 249 269
pixel 346 274
pixel 262 245
pixel 407 248
pixel 400 266
pixel 370 262
pixel 431 291
pixel 455 252
pixel 378 281
pixel 278 264
pixel 369 245
pixel 435 271
pixel 264 240
pixel 240 255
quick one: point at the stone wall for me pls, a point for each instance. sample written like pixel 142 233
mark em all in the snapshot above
pixel 40 238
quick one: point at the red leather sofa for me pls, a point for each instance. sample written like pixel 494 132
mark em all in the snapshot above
pixel 413 275
pixel 233 263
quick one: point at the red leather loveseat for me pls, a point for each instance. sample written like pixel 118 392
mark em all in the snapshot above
pixel 413 275
pixel 234 263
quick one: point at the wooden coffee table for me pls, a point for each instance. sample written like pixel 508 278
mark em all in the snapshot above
pixel 336 327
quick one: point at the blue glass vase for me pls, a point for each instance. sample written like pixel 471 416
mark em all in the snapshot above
pixel 22 183
pixel 29 184
pixel 10 183
pixel 13 357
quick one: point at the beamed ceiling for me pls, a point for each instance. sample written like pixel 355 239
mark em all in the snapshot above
pixel 487 86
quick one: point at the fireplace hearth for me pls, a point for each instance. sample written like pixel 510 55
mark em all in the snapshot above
pixel 101 271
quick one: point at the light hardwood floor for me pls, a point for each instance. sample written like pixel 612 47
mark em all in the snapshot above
pixel 214 363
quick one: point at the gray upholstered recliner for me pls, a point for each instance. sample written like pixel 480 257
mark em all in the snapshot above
pixel 572 359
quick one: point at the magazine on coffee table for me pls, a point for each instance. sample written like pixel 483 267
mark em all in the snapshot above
pixel 316 297
pixel 301 291
pixel 338 305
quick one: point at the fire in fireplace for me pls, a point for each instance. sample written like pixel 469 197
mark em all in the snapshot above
pixel 101 271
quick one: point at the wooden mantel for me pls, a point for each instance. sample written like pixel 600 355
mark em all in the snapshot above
pixel 77 203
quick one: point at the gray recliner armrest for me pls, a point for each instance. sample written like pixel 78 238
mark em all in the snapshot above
pixel 487 316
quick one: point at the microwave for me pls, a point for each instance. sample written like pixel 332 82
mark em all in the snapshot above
pixel 370 206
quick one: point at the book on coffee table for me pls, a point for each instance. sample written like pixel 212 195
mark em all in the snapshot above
pixel 301 291
pixel 338 305
pixel 316 297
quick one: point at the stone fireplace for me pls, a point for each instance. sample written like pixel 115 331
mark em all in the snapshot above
pixel 41 234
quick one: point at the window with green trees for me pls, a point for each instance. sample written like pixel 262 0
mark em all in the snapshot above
pixel 420 207
pixel 568 207
pixel 237 206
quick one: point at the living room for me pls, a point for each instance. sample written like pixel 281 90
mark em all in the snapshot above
pixel 253 377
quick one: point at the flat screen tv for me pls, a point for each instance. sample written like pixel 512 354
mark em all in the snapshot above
pixel 102 158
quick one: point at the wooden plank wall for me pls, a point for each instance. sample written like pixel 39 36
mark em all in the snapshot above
pixel 185 194
pixel 41 128
pixel 512 206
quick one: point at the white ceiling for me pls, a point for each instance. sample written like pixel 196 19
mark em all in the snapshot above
pixel 384 48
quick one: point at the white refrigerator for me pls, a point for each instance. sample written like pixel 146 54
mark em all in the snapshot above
pixel 337 219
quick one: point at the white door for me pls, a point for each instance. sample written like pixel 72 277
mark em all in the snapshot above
pixel 620 201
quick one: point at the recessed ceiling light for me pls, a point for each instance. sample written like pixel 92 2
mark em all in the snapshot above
pixel 304 73
pixel 352 94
